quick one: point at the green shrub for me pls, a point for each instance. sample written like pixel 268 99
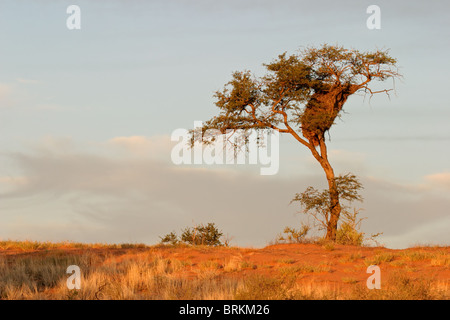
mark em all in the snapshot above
pixel 170 238
pixel 208 235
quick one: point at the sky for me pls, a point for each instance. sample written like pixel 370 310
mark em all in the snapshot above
pixel 86 118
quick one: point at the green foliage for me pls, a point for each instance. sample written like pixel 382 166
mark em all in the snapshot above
pixel 299 90
pixel 208 235
pixel 317 203
pixel 170 238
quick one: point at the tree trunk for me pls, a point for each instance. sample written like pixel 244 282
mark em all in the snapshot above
pixel 335 206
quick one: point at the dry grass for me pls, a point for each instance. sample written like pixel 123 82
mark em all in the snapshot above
pixel 139 276
pixel 379 259
pixel 33 270
pixel 403 287
pixel 39 246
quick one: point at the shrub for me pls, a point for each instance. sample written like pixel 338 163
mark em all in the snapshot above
pixel 208 235
pixel 347 234
pixel 292 235
pixel 170 238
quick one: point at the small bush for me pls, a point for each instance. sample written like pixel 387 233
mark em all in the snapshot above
pixel 348 235
pixel 208 235
pixel 348 232
pixel 170 238
pixel 292 235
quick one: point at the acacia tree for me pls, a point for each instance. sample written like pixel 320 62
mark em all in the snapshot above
pixel 301 95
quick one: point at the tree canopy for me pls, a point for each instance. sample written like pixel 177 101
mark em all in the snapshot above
pixel 303 92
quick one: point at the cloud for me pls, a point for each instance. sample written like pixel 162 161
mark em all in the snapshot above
pixel 144 199
pixel 404 212
pixel 157 147
pixel 92 192
pixel 439 179
pixel 434 232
